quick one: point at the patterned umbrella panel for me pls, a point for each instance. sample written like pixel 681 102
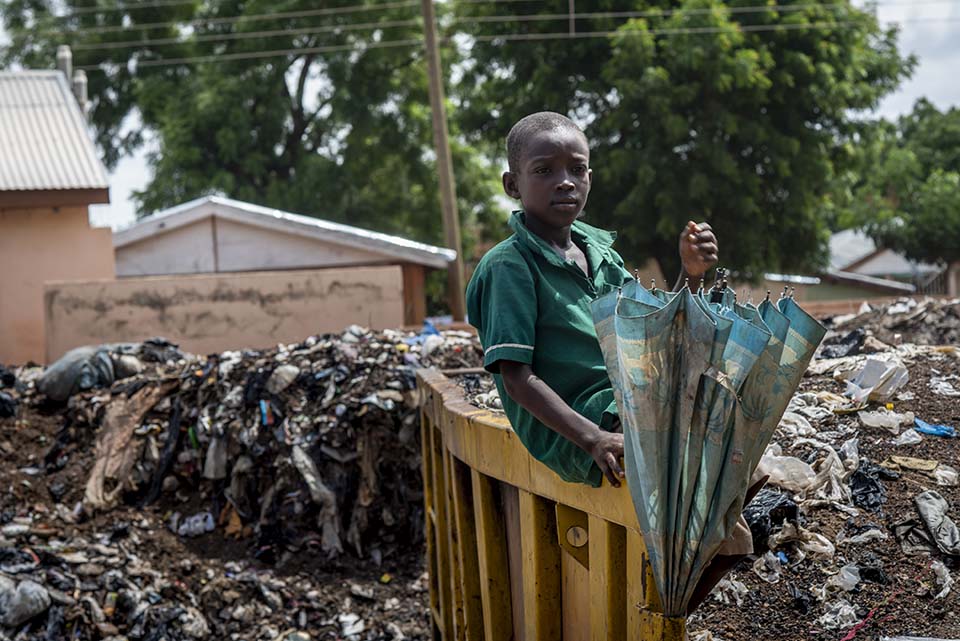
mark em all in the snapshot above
pixel 701 383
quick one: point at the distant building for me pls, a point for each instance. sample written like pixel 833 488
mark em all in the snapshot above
pixel 49 174
pixel 213 235
pixel 853 252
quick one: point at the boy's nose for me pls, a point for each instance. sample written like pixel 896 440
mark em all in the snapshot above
pixel 566 184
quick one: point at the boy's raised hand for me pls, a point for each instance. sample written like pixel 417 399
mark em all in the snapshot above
pixel 698 249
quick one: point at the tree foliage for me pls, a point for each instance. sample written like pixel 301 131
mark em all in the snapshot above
pixel 331 126
pixel 734 112
pixel 907 192
pixel 697 109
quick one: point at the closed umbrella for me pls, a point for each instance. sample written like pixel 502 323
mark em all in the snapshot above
pixel 701 383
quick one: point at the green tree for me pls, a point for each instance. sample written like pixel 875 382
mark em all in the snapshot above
pixel 907 193
pixel 696 109
pixel 334 123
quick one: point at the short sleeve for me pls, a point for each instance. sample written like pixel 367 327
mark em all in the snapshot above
pixel 502 305
pixel 622 274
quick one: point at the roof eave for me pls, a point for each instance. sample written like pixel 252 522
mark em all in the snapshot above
pixel 29 198
pixel 246 213
pixel 870 282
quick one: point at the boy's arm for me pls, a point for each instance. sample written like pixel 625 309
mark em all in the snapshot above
pixel 535 396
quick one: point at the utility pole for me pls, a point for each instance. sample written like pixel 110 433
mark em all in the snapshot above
pixel 448 194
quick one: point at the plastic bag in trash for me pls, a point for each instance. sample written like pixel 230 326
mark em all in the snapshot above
pixel 840 346
pixel 933 512
pixel 8 405
pixel 79 369
pixel 839 615
pixel 21 602
pixel 846 579
pixel 943 578
pixel 787 472
pixel 945 475
pixel 935 430
pixel 909 437
pixel 196 525
pixel 769 509
pixel 886 419
pixel 877 380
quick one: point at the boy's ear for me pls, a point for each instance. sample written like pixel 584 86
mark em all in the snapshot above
pixel 510 185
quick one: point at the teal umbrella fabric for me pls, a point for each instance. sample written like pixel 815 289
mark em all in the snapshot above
pixel 701 383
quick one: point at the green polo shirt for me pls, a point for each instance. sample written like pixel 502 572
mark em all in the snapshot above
pixel 530 305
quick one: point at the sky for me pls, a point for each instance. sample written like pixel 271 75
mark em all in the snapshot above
pixel 929 30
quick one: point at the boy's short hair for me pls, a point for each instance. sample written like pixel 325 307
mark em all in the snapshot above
pixel 527 126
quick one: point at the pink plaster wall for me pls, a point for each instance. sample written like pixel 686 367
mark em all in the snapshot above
pixel 39 245
pixel 216 312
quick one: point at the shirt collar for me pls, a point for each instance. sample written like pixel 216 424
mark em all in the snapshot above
pixel 600 239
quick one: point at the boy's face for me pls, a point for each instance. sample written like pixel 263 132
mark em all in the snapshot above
pixel 553 178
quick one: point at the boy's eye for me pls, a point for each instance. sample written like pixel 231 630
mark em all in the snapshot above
pixel 580 169
pixel 541 170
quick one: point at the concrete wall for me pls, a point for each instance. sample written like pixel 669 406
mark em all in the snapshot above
pixel 212 313
pixel 39 245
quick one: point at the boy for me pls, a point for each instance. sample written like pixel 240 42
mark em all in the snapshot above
pixel 530 302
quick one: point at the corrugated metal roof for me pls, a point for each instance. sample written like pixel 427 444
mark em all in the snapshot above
pixel 277 220
pixel 44 143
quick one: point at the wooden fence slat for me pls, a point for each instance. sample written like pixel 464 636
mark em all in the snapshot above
pixel 466 548
pixel 541 569
pixel 493 565
pixel 608 607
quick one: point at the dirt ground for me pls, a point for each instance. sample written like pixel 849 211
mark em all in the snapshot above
pixel 903 606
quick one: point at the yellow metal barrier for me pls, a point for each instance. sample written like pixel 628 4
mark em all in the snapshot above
pixel 515 553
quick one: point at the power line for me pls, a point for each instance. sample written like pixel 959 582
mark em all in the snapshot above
pixel 518 37
pixel 254 17
pixel 243 35
pixel 77 11
pixel 565 35
pixel 218 37
pixel 126 7
pixel 410 3
pixel 247 55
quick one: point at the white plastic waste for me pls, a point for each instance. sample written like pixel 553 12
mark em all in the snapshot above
pixel 196 525
pixel 877 380
pixel 839 615
pixel 944 580
pixel 812 543
pixel 944 385
pixel 946 475
pixel 793 425
pixel 768 567
pixel 886 419
pixel 729 591
pixel 909 437
pixel 352 626
pixel 787 472
pixel 846 579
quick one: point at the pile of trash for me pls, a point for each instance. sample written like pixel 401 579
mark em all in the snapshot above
pixel 856 531
pixel 929 321
pixel 310 450
pixel 109 583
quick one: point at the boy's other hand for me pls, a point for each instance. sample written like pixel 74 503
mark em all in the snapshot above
pixel 607 451
pixel 698 249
